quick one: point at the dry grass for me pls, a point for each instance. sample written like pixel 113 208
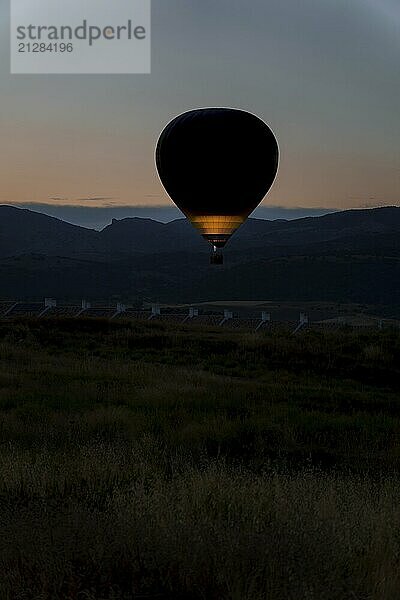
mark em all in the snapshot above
pixel 150 464
pixel 107 522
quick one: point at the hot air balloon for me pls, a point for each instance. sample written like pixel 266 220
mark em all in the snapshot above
pixel 217 164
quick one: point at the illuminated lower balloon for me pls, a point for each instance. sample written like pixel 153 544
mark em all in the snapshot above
pixel 217 165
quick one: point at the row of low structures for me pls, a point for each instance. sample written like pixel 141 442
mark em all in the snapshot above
pixel 192 316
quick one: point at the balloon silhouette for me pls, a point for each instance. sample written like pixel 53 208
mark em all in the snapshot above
pixel 217 164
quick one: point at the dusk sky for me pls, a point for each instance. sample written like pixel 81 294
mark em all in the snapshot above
pixel 324 74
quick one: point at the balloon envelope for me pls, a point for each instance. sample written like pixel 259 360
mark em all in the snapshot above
pixel 217 164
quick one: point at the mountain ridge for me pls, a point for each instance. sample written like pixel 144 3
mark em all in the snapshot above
pixel 352 256
pixel 23 230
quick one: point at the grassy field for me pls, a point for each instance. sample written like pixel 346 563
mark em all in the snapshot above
pixel 144 461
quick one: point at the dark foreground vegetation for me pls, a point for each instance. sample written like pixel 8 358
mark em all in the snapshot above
pixel 140 461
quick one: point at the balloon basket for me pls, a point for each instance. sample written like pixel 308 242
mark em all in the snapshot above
pixel 216 258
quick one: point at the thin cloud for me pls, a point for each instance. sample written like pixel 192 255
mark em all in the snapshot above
pixel 66 199
pixel 94 199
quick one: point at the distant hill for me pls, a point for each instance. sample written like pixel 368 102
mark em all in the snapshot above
pixel 23 231
pixel 346 256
